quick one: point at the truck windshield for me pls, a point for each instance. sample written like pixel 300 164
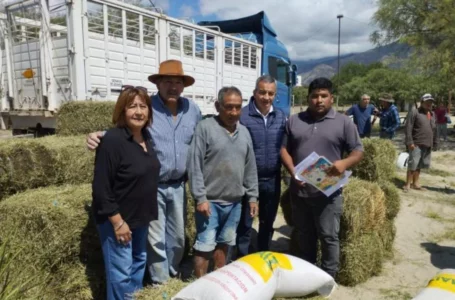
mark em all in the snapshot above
pixel 278 69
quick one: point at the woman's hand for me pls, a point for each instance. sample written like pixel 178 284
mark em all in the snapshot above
pixel 121 229
pixel 123 234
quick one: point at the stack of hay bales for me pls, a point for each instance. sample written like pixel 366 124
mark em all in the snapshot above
pixel 53 160
pixel 83 117
pixel 45 196
pixel 59 248
pixel 371 202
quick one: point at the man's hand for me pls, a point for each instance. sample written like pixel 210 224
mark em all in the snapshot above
pixel 337 168
pixel 204 209
pixel 299 183
pixel 253 209
pixel 93 140
pixel 412 147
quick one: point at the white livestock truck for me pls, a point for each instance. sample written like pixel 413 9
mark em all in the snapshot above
pixel 87 49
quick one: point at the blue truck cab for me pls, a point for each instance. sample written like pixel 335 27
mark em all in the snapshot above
pixel 275 58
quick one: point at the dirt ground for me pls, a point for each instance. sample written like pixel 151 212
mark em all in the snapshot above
pixel 425 240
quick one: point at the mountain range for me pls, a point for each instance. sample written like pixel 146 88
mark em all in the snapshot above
pixel 389 55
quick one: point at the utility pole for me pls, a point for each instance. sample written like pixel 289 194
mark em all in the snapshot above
pixel 338 71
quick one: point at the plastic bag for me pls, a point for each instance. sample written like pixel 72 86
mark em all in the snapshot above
pixel 440 287
pixel 262 275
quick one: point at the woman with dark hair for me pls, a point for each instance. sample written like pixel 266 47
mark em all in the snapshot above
pixel 124 189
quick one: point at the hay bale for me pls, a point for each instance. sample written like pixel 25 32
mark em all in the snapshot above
pixel 165 292
pixel 378 162
pixel 24 164
pixel 285 203
pixel 392 199
pixel 74 164
pixel 387 235
pixel 363 208
pixel 58 240
pixel 360 259
pixel 32 163
pixel 83 117
pixel 190 223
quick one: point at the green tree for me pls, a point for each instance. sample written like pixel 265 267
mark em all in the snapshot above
pixel 427 25
pixel 399 83
pixel 352 70
pixel 300 94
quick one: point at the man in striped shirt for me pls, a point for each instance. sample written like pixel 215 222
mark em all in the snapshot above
pixel 174 121
pixel 390 118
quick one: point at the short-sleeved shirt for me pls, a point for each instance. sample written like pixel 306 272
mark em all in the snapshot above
pixel 330 136
pixel 362 117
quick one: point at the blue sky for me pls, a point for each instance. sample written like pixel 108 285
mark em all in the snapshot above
pixel 308 28
pixel 187 8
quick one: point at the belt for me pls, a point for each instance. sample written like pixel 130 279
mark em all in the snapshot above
pixel 173 181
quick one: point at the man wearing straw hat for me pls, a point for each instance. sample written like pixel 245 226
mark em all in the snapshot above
pixel 390 118
pixel 174 121
pixel 421 138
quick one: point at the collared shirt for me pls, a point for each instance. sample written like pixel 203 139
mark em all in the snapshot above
pixel 172 137
pixel 259 112
pixel 362 117
pixel 331 137
pixel 125 179
pixel 390 120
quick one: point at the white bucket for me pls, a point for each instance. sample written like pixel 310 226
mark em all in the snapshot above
pixel 402 161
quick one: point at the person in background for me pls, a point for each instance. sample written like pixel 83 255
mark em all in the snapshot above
pixel 441 120
pixel 362 113
pixel 322 130
pixel 389 117
pixel 420 138
pixel 125 185
pixel 222 169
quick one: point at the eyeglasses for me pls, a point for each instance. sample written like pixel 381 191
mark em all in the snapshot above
pixel 127 87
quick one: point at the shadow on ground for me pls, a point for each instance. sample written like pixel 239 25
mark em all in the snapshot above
pixel 442 257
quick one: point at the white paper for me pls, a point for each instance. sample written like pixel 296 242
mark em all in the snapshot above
pixel 312 170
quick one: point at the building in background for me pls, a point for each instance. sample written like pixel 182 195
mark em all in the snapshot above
pixel 299 80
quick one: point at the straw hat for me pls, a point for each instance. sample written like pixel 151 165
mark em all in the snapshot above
pixel 172 68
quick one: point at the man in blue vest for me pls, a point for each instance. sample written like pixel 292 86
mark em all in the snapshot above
pixel 266 125
pixel 361 114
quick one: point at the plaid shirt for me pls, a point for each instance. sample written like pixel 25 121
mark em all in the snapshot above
pixel 390 119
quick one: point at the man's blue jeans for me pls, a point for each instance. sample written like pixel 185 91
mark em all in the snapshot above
pixel 124 264
pixel 166 235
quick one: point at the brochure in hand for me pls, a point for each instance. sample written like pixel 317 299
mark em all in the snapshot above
pixel 313 170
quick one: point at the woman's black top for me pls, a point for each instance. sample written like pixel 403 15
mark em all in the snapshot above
pixel 125 179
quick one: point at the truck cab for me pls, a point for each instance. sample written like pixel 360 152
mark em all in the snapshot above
pixel 275 58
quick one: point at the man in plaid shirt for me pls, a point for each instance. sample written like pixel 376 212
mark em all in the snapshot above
pixel 390 118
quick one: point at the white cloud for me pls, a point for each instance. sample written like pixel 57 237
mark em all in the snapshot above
pixel 187 11
pixel 308 29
